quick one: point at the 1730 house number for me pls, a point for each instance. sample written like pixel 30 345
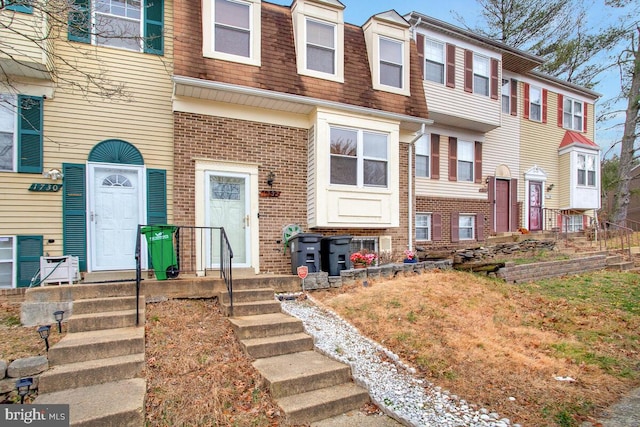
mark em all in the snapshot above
pixel 45 187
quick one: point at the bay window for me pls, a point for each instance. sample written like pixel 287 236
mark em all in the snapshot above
pixel 358 157
pixel 587 170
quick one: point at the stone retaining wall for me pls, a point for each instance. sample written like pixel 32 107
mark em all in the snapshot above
pixel 322 280
pixel 28 367
pixel 513 273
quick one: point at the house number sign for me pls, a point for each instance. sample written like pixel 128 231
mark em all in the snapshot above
pixel 45 188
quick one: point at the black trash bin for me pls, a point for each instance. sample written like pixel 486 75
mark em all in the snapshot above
pixel 305 250
pixel 335 252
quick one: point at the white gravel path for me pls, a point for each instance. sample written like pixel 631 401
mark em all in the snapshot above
pixel 392 385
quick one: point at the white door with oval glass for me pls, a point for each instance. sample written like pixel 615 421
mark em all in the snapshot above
pixel 116 207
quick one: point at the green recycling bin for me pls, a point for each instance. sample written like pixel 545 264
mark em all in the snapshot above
pixel 162 250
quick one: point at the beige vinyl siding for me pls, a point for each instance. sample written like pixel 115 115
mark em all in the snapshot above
pixel 562 189
pixel 16 43
pixel 502 147
pixel 74 124
pixel 539 146
pixel 458 103
pixel 443 187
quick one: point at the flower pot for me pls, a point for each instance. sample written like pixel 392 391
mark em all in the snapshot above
pixel 410 261
pixel 357 266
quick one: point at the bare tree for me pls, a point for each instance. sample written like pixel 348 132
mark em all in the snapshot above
pixel 629 63
pixel 50 23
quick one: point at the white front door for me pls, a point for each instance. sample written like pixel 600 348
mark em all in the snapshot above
pixel 116 207
pixel 228 207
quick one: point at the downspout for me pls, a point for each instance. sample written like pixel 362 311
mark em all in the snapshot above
pixel 419 135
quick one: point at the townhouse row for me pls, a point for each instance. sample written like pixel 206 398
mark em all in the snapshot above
pixel 403 132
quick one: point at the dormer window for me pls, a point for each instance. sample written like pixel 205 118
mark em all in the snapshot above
pixel 232 21
pixel 231 30
pixel 321 46
pixel 391 63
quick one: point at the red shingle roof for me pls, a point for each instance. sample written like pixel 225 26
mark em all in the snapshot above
pixel 571 137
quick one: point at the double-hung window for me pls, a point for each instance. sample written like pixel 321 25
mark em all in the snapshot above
pixel 7 132
pixel 321 46
pixel 572 114
pixel 434 61
pixel 359 157
pixel 423 226
pixel 423 156
pixel 587 170
pixel 391 60
pixel 232 27
pixel 481 75
pixel 506 96
pixel 465 161
pixel 466 227
pixel 535 104
pixel 118 23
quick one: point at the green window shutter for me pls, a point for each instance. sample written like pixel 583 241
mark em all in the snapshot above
pixel 79 29
pixel 30 134
pixel 74 213
pixel 154 27
pixel 19 6
pixel 156 196
pixel 29 253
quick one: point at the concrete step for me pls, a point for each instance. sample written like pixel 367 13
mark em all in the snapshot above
pixel 298 373
pixel 97 305
pixel 324 403
pixel 91 372
pixel 620 266
pixel 277 345
pixel 78 292
pixel 90 345
pixel 109 320
pixel 613 259
pixel 118 403
pixel 265 325
pixel 251 308
pixel 248 295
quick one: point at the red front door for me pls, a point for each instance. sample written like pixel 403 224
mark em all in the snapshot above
pixel 535 205
pixel 502 205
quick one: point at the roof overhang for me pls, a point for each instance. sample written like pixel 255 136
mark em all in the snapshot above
pixel 576 139
pixel 279 101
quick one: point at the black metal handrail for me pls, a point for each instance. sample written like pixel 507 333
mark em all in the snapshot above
pixel 610 231
pixel 192 252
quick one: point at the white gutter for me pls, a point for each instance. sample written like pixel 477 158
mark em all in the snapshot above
pixel 410 222
pixel 298 99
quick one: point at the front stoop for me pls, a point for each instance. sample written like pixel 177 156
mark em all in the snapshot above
pixel 306 385
pixel 98 367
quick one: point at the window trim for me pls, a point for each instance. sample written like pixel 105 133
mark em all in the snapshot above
pixel 402 64
pixel 12 260
pixel 473 226
pixel 506 95
pixel 428 156
pixel 360 157
pixel 429 227
pixel 318 73
pixel 476 59
pixel 95 33
pixel 428 60
pixel 532 103
pixel 572 115
pixel 472 161
pixel 587 172
pixel 208 33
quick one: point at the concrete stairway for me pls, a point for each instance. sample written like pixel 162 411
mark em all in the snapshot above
pixel 100 360
pixel 306 385
pixel 617 263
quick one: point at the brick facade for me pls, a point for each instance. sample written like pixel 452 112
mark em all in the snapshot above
pixel 445 207
pixel 278 149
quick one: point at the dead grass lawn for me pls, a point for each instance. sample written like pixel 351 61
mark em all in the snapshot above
pixel 499 346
